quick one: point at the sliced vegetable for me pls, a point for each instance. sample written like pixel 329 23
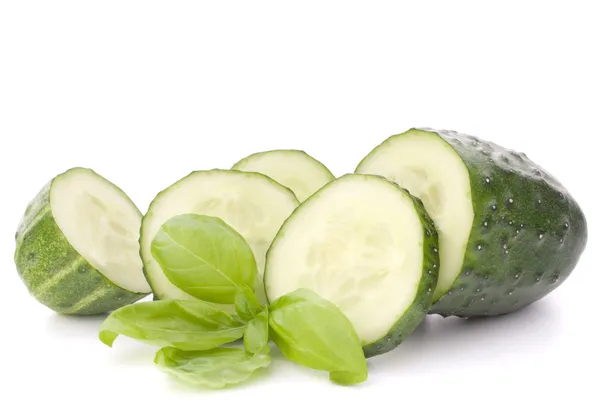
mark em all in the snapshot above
pixel 366 245
pixel 313 332
pixel 77 245
pixel 215 368
pixel 252 204
pixel 186 325
pixel 295 169
pixel 510 233
pixel 204 257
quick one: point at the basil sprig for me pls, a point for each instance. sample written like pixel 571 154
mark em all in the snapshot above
pixel 209 260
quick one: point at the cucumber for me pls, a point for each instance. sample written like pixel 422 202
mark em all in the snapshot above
pixel 251 203
pixel 509 232
pixel 367 246
pixel 77 245
pixel 295 169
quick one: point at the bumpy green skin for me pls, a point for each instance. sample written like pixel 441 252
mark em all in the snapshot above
pixel 527 235
pixel 54 273
pixel 415 314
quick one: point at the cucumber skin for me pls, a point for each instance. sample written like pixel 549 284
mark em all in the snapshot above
pixel 417 311
pixel 42 251
pixel 495 280
pixel 324 170
pixel 156 295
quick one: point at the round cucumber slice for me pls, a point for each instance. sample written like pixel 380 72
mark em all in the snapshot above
pixel 366 245
pixel 509 232
pixel 77 245
pixel 251 203
pixel 295 169
pixel 434 172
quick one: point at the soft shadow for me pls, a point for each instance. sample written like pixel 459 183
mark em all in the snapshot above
pixel 131 353
pixel 74 326
pixel 439 341
pixel 125 351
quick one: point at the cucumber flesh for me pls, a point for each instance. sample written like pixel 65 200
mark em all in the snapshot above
pixel 516 231
pixel 102 226
pixel 367 246
pixel 251 203
pixel 294 169
pixel 431 170
pixel 77 245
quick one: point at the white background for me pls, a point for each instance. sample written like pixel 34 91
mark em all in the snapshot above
pixel 145 92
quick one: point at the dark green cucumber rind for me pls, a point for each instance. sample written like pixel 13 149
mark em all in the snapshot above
pixel 321 165
pixel 415 314
pixel 527 235
pixel 156 295
pixel 54 273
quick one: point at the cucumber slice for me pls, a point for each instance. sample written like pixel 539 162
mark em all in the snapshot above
pixel 77 245
pixel 509 232
pixel 295 169
pixel 366 245
pixel 251 203
pixel 435 173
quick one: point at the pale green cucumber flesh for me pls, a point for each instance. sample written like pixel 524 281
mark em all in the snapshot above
pixel 54 271
pixel 435 173
pixel 366 245
pixel 251 203
pixel 294 169
pixel 527 231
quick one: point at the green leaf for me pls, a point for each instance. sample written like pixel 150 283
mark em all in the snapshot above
pixel 313 332
pixel 187 325
pixel 204 257
pixel 215 368
pixel 246 304
pixel 256 335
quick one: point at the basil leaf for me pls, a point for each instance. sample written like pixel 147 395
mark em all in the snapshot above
pixel 313 332
pixel 246 304
pixel 204 257
pixel 256 335
pixel 187 325
pixel 215 368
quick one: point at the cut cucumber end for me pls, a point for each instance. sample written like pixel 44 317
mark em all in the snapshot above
pixel 102 225
pixel 432 170
pixel 294 169
pixel 361 243
pixel 251 203
pixel 76 246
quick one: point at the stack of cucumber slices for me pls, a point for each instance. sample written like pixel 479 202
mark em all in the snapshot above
pixel 430 222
